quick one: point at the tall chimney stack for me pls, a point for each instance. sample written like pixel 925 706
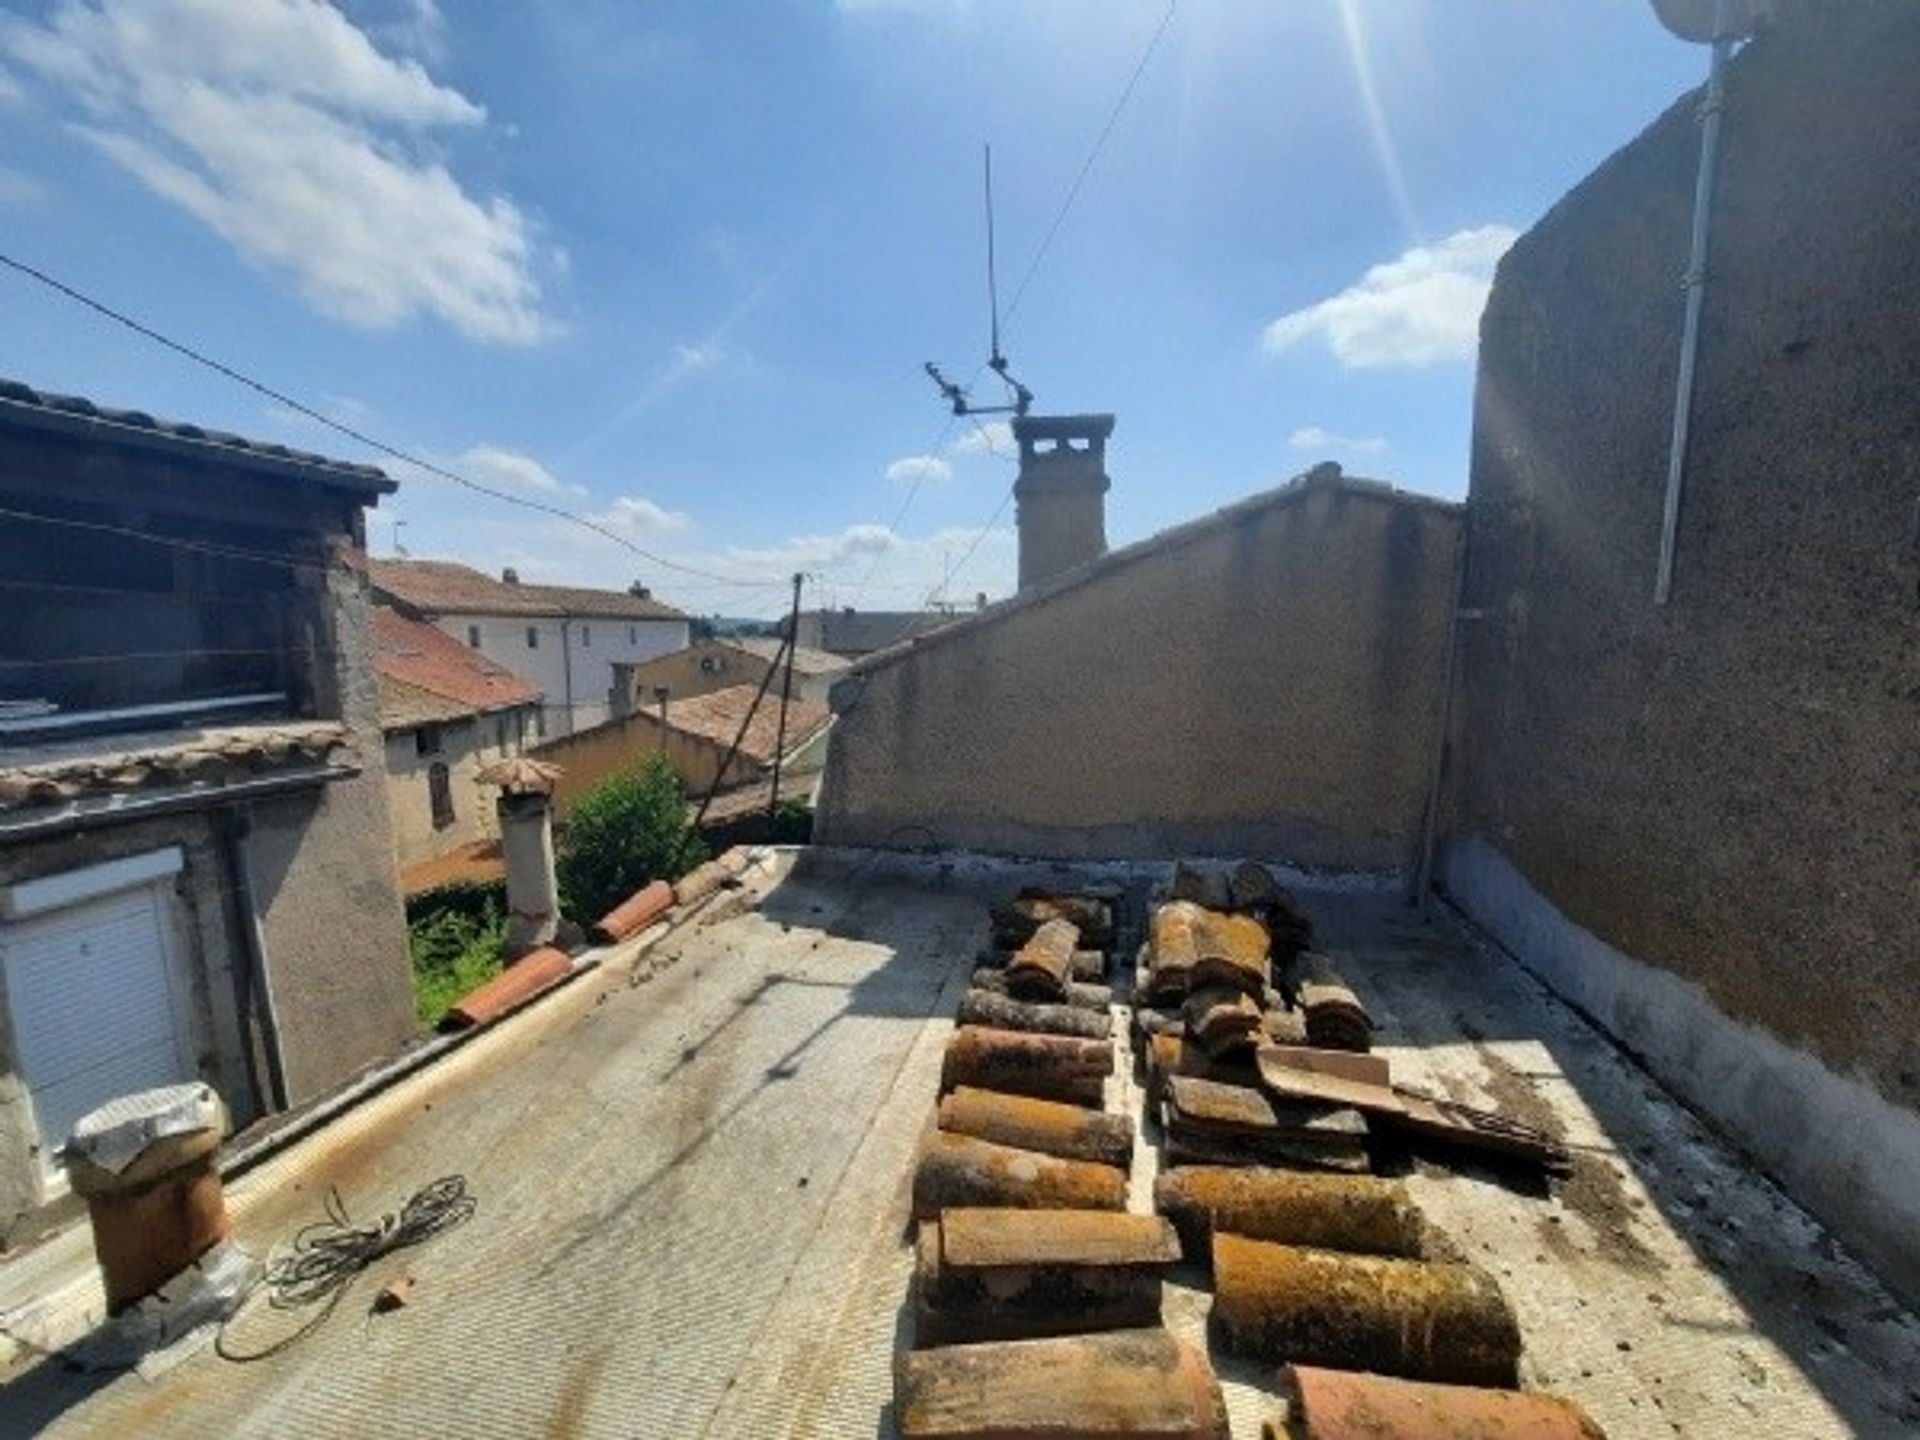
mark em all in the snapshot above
pixel 1061 492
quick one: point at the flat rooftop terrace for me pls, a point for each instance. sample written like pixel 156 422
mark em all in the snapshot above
pixel 693 1168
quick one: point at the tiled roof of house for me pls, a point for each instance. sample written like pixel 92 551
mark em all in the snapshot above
pixel 442 587
pixel 201 759
pixel 805 661
pixel 73 417
pixel 427 676
pixel 717 716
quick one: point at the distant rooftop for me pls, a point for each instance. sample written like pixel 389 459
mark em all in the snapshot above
pixel 717 717
pixel 806 661
pixel 858 632
pixel 426 676
pixel 442 587
pixel 72 417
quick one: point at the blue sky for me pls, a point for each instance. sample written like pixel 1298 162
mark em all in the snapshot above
pixel 676 265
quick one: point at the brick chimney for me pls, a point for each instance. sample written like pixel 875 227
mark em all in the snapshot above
pixel 1061 492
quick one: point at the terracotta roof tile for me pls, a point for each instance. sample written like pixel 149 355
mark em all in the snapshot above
pixel 717 716
pixel 427 676
pixel 442 587
pixel 806 661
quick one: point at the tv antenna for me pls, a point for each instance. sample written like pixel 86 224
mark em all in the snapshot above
pixel 1020 398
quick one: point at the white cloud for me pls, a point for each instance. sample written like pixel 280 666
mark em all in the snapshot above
pixel 692 359
pixel 638 518
pixel 1420 309
pixel 1313 437
pixel 991 437
pixel 918 469
pixel 506 469
pixel 283 128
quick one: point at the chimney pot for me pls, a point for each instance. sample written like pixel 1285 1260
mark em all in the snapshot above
pixel 1061 492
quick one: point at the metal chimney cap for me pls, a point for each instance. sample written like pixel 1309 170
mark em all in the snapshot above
pixel 1699 20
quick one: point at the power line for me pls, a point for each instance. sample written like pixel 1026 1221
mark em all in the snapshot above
pixel 1073 190
pixel 353 433
pixel 1040 255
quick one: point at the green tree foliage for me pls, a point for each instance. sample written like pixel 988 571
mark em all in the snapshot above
pixel 626 831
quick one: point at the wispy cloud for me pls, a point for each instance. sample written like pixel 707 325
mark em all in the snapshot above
pixel 1420 309
pixel 506 469
pixel 19 188
pixel 1313 437
pixel 284 129
pixel 990 437
pixel 639 518
pixel 919 469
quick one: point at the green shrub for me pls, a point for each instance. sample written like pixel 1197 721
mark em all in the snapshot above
pixel 452 952
pixel 475 898
pixel 792 823
pixel 626 831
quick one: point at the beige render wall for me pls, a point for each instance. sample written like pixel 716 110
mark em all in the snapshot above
pixel 322 871
pixel 1266 683
pixel 588 757
pixel 466 748
pixel 681 673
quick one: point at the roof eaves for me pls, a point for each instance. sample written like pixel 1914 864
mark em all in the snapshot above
pixel 75 417
pixel 1320 480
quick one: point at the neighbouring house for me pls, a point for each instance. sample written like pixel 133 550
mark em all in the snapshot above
pixel 196 880
pixel 709 665
pixel 1264 680
pixel 696 734
pixel 447 713
pixel 853 633
pixel 566 639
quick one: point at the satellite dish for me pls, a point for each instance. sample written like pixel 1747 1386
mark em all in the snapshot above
pixel 1704 21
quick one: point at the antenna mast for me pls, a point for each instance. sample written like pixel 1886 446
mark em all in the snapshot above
pixel 956 395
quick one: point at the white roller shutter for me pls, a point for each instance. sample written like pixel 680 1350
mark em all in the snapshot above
pixel 96 1009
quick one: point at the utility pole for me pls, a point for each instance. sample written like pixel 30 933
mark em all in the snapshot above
pixel 786 690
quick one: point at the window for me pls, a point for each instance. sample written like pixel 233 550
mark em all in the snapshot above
pixel 440 794
pixel 633 634
pixel 473 636
pixel 540 724
pixel 426 740
pixel 533 637
pixel 586 636
pixel 500 733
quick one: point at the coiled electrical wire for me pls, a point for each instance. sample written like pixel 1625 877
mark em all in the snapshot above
pixel 328 1255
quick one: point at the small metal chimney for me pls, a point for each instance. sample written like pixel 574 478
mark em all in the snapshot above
pixel 1061 492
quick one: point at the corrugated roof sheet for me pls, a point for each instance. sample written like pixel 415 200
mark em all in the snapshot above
pixel 426 676
pixel 442 587
pixel 24 408
pixel 717 717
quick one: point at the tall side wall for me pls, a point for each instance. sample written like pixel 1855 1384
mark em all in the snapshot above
pixel 1266 682
pixel 1703 819
pixel 588 757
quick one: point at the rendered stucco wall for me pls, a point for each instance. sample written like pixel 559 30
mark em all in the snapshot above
pixel 1727 788
pixel 466 748
pixel 569 657
pixel 322 870
pixel 588 757
pixel 1263 683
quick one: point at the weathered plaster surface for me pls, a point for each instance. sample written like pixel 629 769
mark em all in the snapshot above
pixel 1260 682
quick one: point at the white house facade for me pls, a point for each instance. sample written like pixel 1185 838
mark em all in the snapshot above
pixel 563 638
